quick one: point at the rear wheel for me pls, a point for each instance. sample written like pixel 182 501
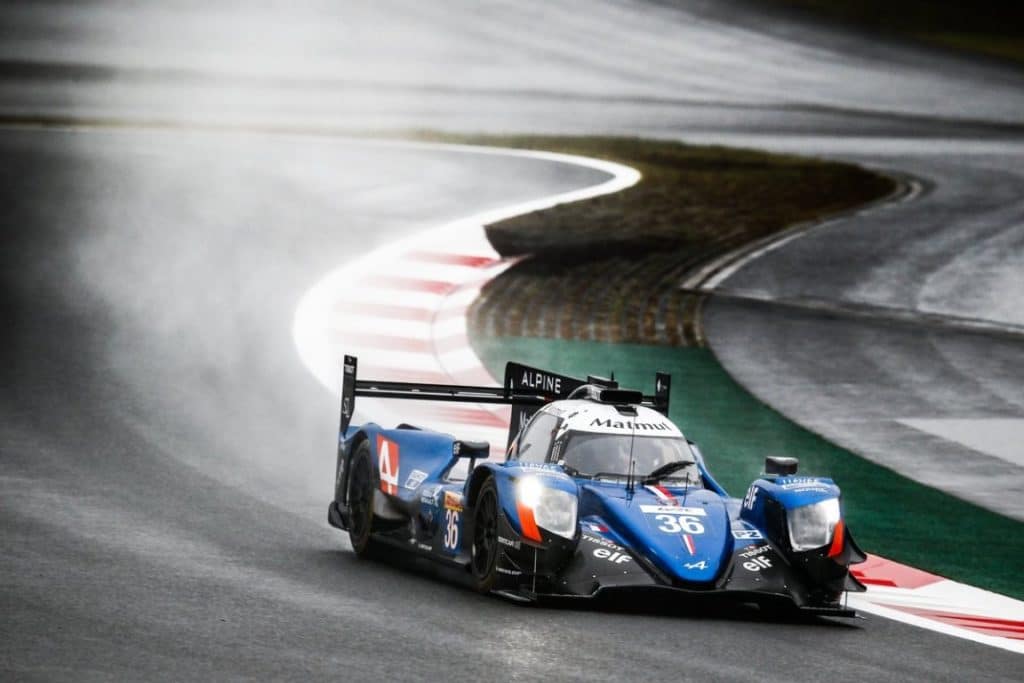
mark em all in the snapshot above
pixel 485 538
pixel 361 489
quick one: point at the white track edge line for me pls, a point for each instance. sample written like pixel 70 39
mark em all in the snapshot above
pixel 318 356
pixel 865 605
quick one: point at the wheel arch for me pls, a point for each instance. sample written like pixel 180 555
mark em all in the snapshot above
pixel 477 479
pixel 351 446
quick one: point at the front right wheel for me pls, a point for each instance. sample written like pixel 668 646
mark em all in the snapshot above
pixel 485 538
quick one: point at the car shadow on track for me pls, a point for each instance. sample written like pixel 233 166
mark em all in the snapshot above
pixel 697 607
pixel 390 565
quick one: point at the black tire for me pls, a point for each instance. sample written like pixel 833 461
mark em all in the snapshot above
pixel 484 550
pixel 362 486
pixel 339 479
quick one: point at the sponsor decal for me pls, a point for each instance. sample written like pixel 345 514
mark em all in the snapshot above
pixel 611 555
pixel 703 564
pixel 673 510
pixel 750 498
pixel 556 452
pixel 807 488
pixel 796 481
pixel 747 534
pixel 451 530
pixel 387 463
pixel 453 501
pixel 541 382
pixel 509 542
pixel 596 528
pixel 757 564
pixel 629 424
pixel 803 484
pixel 424 546
pixel 510 572
pixel 416 478
pixel 538 466
pixel 429 494
pixel 755 551
pixel 603 542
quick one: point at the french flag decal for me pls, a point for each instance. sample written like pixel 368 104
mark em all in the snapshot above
pixel 663 494
pixel 688 540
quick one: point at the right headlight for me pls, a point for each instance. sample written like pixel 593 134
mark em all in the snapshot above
pixel 553 509
pixel 811 526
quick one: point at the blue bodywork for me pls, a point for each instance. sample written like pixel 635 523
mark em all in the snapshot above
pixel 688 539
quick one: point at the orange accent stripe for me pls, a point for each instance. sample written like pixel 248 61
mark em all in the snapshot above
pixel 527 522
pixel 837 540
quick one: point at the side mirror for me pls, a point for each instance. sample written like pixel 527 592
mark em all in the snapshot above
pixel 777 465
pixel 471 449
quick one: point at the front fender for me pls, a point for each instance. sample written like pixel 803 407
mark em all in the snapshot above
pixel 532 558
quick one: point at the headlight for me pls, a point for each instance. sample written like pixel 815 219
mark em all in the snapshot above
pixel 553 509
pixel 811 526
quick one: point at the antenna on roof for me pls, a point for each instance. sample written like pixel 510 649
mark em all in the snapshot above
pixel 631 470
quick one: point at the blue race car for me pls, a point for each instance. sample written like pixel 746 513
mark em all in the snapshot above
pixel 600 493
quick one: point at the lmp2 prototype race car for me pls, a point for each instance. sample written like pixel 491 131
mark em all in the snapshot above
pixel 600 494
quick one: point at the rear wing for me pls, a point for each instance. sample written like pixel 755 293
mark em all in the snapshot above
pixel 525 388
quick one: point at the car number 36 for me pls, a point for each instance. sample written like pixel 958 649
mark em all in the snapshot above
pixel 451 532
pixel 679 524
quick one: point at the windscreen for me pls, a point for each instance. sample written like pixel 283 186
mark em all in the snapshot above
pixel 607 455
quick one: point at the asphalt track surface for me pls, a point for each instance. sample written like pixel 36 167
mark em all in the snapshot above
pixel 166 458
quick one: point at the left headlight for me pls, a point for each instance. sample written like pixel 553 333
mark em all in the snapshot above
pixel 811 526
pixel 553 509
